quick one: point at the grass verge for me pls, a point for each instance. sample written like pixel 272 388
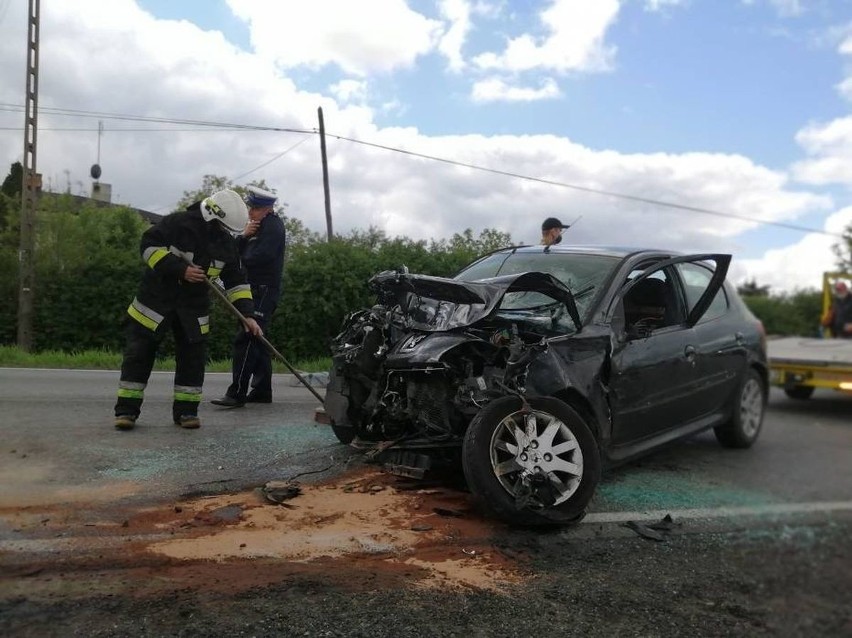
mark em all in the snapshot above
pixel 14 357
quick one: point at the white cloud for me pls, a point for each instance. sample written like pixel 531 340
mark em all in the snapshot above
pixel 349 90
pixel 830 148
pixel 661 5
pixel 828 145
pixel 785 8
pixel 788 8
pixel 798 266
pixel 574 40
pixel 495 90
pixel 845 88
pixel 359 37
pixel 457 12
pixel 112 57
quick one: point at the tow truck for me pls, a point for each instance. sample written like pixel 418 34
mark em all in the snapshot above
pixel 799 365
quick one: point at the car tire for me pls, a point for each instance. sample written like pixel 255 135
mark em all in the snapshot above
pixel 344 433
pixel 747 414
pixel 500 467
pixel 800 392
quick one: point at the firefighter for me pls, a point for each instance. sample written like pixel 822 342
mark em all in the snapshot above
pixel 180 252
pixel 261 247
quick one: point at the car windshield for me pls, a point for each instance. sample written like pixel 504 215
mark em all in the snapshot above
pixel 581 273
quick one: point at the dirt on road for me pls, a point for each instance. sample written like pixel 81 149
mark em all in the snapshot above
pixel 368 554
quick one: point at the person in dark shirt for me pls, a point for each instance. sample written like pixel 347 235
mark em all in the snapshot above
pixel 261 248
pixel 840 315
pixel 551 231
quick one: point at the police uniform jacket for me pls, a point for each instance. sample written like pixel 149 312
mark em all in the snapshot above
pixel 166 249
pixel 263 253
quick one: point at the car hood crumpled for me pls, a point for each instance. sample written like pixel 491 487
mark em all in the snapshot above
pixel 435 304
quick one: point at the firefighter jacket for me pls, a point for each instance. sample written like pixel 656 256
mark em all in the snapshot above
pixel 263 253
pixel 167 249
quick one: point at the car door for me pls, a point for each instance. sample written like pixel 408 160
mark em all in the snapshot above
pixel 654 377
pixel 721 353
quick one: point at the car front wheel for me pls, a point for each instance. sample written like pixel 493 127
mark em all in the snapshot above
pixel 747 417
pixel 534 466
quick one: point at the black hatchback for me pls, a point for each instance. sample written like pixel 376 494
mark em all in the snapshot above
pixel 536 367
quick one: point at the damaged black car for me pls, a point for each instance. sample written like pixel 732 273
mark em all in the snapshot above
pixel 535 367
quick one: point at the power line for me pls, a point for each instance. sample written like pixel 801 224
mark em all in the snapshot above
pixel 256 168
pixel 281 154
pixel 208 125
pixel 131 130
pixel 161 120
pixel 586 189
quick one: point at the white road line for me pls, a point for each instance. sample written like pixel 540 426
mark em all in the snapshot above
pixel 719 512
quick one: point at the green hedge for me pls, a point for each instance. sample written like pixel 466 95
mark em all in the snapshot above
pixel 88 269
pixel 784 315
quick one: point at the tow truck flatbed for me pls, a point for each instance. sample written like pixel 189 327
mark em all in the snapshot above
pixel 801 364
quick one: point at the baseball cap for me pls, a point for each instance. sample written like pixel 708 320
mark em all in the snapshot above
pixel 552 222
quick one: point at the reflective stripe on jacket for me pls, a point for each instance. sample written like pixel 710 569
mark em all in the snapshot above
pixel 167 248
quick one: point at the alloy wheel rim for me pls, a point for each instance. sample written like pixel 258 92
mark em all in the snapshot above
pixel 536 444
pixel 751 407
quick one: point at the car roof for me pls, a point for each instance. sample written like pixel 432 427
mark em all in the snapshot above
pixel 610 251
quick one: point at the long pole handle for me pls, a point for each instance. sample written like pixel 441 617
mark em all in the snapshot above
pixel 261 338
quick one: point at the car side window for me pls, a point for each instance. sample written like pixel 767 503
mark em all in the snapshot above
pixel 652 303
pixel 696 278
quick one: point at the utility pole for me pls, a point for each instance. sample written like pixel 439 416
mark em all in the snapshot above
pixel 30 187
pixel 325 175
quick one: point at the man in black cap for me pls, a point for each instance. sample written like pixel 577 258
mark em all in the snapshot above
pixel 261 247
pixel 551 231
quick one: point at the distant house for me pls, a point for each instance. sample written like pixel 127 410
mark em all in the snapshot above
pixel 148 216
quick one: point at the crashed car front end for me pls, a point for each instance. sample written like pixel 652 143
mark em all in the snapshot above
pixel 411 374
pixel 416 367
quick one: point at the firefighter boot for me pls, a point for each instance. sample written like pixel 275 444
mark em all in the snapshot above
pixel 125 421
pixel 188 421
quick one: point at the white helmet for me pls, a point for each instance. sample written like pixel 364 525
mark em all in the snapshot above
pixel 227 207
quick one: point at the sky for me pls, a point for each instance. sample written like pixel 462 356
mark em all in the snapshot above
pixel 740 111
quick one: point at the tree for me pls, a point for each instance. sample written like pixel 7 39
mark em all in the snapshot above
pixel 10 195
pixel 843 250
pixel 751 289
pixel 213 183
pixel 298 234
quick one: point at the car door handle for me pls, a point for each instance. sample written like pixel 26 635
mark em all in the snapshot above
pixel 689 354
pixel 740 337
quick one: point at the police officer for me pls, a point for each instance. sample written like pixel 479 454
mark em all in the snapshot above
pixel 261 247
pixel 180 252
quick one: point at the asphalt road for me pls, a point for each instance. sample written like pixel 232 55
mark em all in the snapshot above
pixel 57 440
pixel 760 545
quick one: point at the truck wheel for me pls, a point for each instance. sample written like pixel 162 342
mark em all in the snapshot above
pixel 747 414
pixel 799 392
pixel 535 467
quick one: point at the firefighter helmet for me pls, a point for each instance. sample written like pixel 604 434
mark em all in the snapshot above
pixel 227 207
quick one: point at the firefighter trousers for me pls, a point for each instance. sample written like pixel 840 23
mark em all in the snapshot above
pixel 139 355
